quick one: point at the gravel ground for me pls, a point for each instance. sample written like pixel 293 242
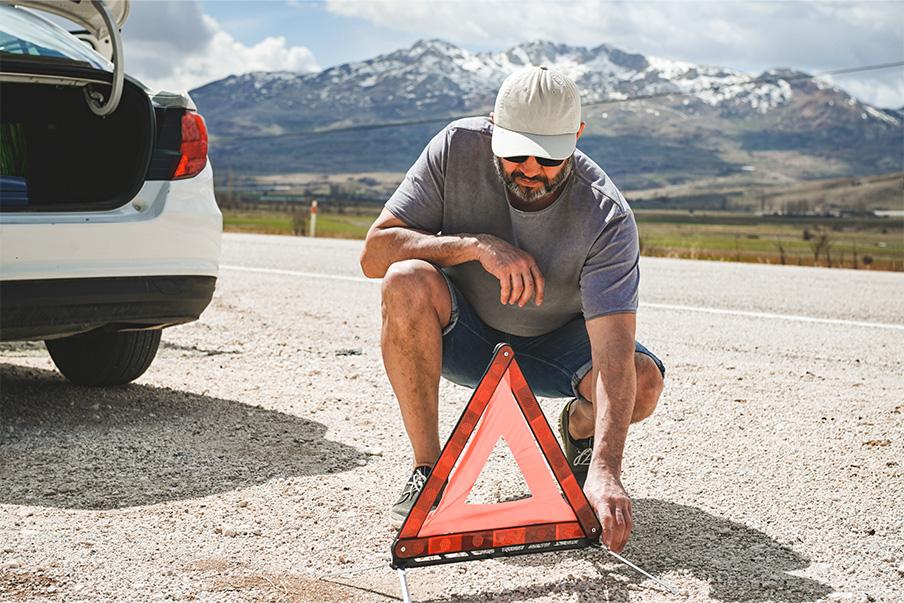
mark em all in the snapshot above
pixel 263 449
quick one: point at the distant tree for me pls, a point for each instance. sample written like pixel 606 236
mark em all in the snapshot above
pixel 226 195
pixel 781 251
pixel 299 221
pixel 821 244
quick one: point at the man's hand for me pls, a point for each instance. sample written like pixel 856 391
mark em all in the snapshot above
pixel 613 507
pixel 517 271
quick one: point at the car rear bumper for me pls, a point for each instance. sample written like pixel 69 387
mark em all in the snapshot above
pixel 49 308
pixel 150 263
pixel 169 228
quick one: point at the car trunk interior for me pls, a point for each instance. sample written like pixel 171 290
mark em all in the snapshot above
pixel 56 155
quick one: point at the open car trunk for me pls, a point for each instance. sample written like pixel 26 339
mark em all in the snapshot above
pixel 57 155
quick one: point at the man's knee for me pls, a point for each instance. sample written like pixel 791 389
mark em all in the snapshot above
pixel 649 387
pixel 411 287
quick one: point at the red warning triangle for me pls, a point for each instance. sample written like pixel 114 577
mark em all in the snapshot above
pixel 502 406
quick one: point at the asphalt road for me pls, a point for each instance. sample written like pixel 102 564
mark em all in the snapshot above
pixel 263 449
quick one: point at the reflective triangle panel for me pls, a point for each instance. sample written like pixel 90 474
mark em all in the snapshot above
pixel 502 418
pixel 502 406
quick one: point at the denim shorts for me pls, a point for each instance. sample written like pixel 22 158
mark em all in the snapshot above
pixel 553 363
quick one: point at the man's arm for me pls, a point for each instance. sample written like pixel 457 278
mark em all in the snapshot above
pixel 390 240
pixel 614 389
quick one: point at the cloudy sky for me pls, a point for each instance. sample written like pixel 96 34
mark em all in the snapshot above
pixel 186 43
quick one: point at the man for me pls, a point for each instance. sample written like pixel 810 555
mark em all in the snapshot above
pixel 503 231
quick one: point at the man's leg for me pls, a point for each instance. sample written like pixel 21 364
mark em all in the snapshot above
pixel 416 306
pixel 649 386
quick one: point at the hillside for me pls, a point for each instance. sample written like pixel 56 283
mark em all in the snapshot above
pixel 702 122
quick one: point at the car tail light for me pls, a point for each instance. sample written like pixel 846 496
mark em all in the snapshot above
pixel 193 148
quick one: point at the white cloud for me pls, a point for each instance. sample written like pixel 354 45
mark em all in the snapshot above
pixel 174 46
pixel 881 92
pixel 750 36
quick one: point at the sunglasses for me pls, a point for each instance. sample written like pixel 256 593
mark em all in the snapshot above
pixel 541 160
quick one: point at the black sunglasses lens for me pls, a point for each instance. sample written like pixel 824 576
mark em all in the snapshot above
pixel 541 160
pixel 549 162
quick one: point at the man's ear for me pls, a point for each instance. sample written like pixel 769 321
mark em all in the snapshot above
pixel 491 117
pixel 581 130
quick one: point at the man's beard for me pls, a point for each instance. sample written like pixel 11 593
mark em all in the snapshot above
pixel 529 195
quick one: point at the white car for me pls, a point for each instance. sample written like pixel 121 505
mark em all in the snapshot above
pixel 109 230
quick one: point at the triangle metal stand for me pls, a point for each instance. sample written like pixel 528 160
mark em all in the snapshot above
pixel 403 583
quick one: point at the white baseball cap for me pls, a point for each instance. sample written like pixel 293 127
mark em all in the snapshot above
pixel 538 112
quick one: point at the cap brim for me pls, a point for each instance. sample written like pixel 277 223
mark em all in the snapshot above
pixel 508 143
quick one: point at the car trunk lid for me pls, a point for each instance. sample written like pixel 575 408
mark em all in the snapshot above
pixel 102 21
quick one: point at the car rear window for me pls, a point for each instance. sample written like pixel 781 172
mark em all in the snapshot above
pixel 25 33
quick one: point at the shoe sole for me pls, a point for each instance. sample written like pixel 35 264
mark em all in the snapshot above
pixel 396 520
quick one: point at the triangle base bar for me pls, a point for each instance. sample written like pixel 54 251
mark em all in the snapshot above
pixel 407 549
pixel 492 553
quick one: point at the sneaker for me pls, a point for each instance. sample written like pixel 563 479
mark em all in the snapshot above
pixel 577 452
pixel 412 488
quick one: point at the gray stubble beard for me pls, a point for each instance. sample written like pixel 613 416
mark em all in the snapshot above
pixel 531 195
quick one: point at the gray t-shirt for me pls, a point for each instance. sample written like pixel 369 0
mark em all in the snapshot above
pixel 585 243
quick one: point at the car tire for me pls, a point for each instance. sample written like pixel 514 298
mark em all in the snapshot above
pixel 104 357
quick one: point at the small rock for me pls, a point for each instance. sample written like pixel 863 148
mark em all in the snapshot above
pixel 14 564
pixel 243 503
pixel 232 533
pixel 343 560
pixel 900 569
pixel 373 451
pixel 877 443
pixel 361 462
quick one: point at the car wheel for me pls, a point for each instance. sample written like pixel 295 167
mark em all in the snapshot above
pixel 104 357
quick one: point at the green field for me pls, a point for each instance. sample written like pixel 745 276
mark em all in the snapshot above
pixel 339 226
pixel 734 236
pixel 873 243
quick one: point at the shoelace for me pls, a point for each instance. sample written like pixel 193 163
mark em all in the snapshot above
pixel 584 457
pixel 415 484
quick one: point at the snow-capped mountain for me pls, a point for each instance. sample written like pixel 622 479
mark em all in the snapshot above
pixel 682 107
